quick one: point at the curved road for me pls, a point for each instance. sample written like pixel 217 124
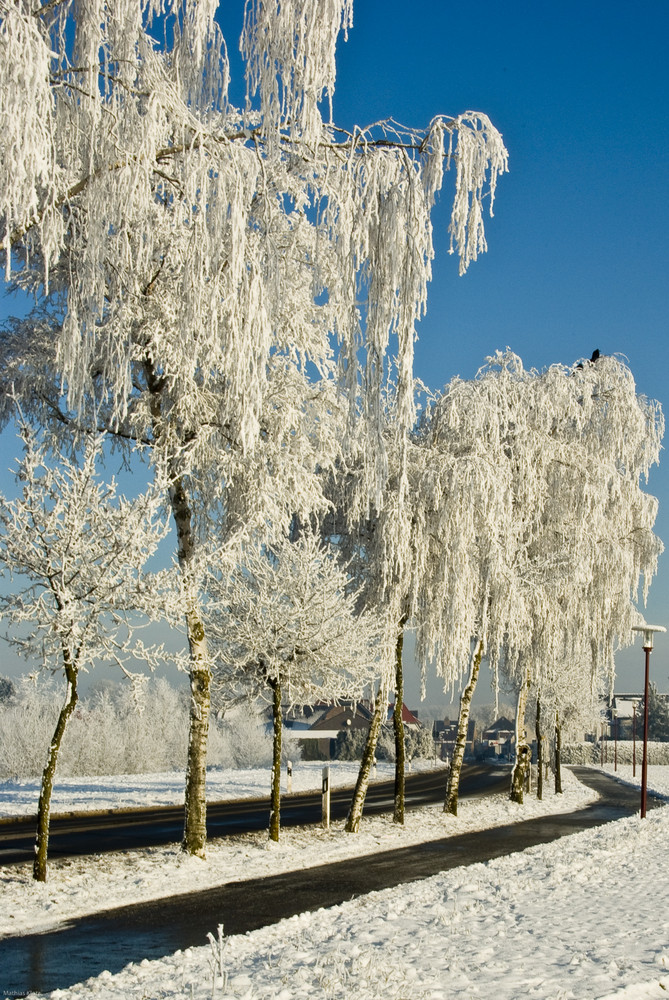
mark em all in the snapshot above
pixel 82 948
pixel 116 830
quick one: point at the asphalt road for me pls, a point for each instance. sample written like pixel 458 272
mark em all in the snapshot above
pixel 116 830
pixel 82 948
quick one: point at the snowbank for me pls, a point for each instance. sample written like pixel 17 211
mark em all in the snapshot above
pixel 584 918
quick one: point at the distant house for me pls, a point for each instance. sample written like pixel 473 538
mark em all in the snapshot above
pixel 316 732
pixel 500 737
pixel 627 709
pixel 445 734
pixel 315 729
pixel 409 716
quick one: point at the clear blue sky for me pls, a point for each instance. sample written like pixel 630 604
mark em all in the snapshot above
pixel 577 255
pixel 578 248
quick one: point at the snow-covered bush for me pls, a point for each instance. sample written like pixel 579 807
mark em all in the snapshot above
pixel 417 743
pixel 350 744
pixel 119 730
pixel 27 720
pixel 245 740
pixel 580 753
pixel 591 753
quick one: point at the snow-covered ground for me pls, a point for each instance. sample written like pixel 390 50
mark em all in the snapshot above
pixel 129 791
pixel 585 917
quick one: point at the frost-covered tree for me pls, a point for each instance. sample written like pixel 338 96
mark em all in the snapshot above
pixel 376 541
pixel 597 526
pixel 478 492
pixel 285 624
pixel 437 550
pixel 184 254
pixel 75 551
pixel 658 716
pixel 540 521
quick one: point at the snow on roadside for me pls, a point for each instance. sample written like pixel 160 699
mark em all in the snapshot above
pixel 19 797
pixel 586 917
pixel 658 776
pixel 127 877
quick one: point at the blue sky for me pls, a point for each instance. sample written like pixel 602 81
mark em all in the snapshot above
pixel 577 251
pixel 577 254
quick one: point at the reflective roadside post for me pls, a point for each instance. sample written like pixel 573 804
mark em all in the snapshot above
pixel 648 632
pixel 325 799
pixel 615 739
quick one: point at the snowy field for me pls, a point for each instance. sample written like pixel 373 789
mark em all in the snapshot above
pixel 130 791
pixel 586 917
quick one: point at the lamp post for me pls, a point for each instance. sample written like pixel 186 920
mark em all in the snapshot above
pixel 648 631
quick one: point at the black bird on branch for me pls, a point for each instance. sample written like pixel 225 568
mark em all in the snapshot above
pixel 595 357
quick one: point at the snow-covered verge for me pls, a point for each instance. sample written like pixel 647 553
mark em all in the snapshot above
pixel 19 797
pixel 590 754
pixel 586 917
pixel 658 776
pixel 127 877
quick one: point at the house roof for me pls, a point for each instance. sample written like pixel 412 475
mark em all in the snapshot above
pixel 408 716
pixel 339 717
pixel 503 725
pixel 448 730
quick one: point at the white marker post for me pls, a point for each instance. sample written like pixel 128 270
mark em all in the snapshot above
pixel 325 805
pixel 289 776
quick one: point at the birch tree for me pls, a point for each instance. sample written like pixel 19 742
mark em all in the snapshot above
pixel 591 540
pixel 587 537
pixel 481 487
pixel 285 623
pixel 184 253
pixel 76 552
pixel 438 550
pixel 540 523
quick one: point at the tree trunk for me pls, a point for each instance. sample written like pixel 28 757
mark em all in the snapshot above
pixel 453 784
pixel 44 806
pixel 523 755
pixel 195 805
pixel 275 807
pixel 540 752
pixel 558 755
pixel 195 796
pixel 361 785
pixel 398 726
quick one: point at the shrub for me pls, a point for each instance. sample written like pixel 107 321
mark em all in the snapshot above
pixel 590 753
pixel 118 729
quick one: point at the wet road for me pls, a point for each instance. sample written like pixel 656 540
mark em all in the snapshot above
pixel 120 830
pixel 44 962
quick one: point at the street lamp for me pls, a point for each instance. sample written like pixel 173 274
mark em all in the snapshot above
pixel 648 631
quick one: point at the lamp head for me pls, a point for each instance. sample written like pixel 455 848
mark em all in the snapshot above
pixel 648 631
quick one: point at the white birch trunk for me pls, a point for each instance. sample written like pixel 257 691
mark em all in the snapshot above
pixel 540 752
pixel 398 726
pixel 44 806
pixel 558 755
pixel 195 801
pixel 275 808
pixel 453 785
pixel 357 803
pixel 522 761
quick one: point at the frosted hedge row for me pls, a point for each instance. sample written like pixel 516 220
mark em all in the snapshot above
pixel 121 731
pixel 591 753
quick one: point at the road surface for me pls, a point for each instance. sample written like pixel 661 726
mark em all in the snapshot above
pixel 109 940
pixel 116 830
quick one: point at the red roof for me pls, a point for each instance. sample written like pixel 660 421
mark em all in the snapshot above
pixel 407 715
